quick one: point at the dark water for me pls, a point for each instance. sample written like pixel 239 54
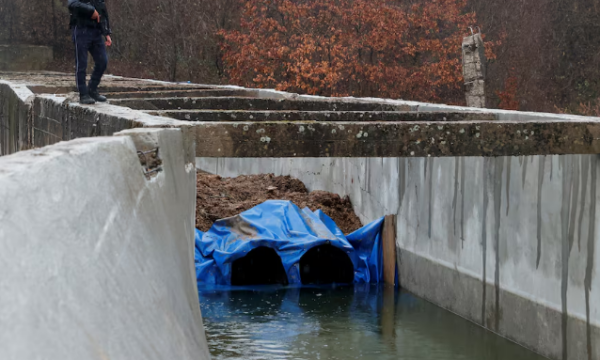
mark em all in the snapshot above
pixel 366 322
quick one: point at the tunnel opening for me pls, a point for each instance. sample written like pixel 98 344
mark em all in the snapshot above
pixel 326 264
pixel 262 266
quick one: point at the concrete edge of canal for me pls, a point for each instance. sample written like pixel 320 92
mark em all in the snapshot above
pixel 95 250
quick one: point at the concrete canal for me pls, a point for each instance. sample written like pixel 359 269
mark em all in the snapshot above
pixel 495 220
pixel 352 322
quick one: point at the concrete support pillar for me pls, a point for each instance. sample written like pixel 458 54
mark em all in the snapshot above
pixel 474 70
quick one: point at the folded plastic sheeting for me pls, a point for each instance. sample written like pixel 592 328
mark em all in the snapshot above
pixel 290 232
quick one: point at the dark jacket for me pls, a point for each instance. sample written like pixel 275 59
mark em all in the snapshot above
pixel 82 11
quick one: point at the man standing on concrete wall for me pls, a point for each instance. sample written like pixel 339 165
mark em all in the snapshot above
pixel 89 22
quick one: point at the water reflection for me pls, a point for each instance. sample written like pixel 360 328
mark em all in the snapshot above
pixel 349 322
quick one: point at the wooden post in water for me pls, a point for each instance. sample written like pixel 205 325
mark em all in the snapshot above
pixel 388 316
pixel 388 238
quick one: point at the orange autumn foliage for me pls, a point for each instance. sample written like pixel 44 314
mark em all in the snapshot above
pixel 378 48
pixel 508 97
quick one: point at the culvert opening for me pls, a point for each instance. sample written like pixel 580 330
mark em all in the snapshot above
pixel 262 266
pixel 326 264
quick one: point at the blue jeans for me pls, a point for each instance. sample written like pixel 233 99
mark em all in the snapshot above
pixel 87 39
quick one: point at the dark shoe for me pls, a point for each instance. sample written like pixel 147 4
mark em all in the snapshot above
pixel 97 97
pixel 86 100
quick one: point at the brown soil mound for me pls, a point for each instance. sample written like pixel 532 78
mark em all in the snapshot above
pixel 219 198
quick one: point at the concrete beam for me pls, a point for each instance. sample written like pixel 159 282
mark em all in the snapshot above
pixel 68 87
pixel 245 103
pixel 167 93
pixel 285 115
pixel 395 139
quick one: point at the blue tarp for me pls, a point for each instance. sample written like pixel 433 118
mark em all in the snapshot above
pixel 291 232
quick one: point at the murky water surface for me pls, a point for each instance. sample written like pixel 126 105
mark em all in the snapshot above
pixel 365 322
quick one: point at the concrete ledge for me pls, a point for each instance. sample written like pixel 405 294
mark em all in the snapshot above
pixel 245 103
pixel 393 139
pixel 65 87
pixel 287 115
pixel 163 93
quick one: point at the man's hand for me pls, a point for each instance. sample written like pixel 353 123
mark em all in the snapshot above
pixel 108 40
pixel 96 16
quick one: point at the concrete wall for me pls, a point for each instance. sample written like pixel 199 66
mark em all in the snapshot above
pixel 527 225
pixel 56 119
pixel 96 258
pixel 25 57
pixel 32 121
pixel 15 119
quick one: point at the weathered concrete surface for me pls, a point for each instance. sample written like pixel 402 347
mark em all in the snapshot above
pixel 25 57
pixel 288 115
pixel 15 117
pixel 51 82
pixel 474 63
pixel 28 121
pixel 527 225
pixel 55 120
pixel 96 260
pixel 391 139
pixel 403 128
pixel 162 93
pixel 244 103
pixel 119 88
pixel 475 93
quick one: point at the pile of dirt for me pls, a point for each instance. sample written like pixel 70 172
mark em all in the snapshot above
pixel 219 198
